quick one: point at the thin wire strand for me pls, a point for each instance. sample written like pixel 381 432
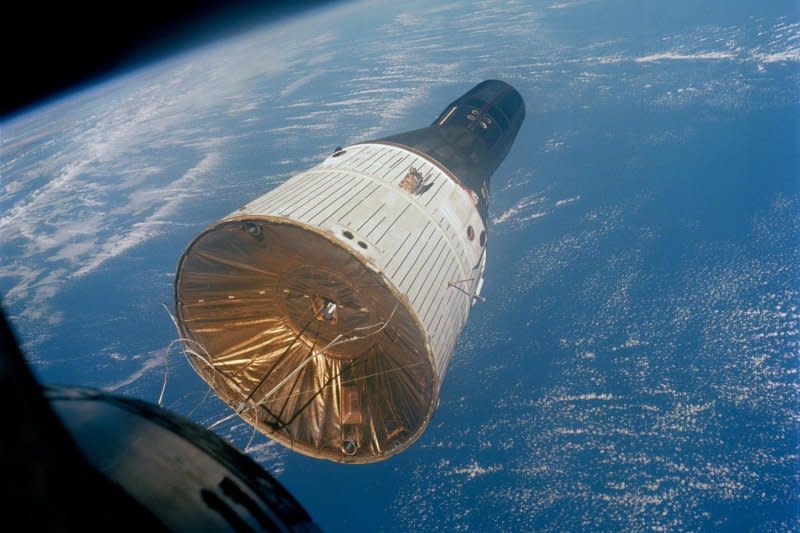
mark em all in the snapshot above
pixel 334 342
pixel 182 398
pixel 225 419
pixel 337 341
pixel 252 435
pixel 206 359
pixel 187 350
pixel 202 400
pixel 166 375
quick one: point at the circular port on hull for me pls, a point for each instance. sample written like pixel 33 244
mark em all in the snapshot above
pixel 349 447
pixel 312 343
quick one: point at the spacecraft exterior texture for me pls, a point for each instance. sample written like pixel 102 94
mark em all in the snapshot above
pixel 326 311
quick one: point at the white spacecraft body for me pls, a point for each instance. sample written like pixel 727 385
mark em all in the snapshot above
pixel 326 311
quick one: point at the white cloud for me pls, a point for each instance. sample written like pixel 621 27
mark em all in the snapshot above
pixel 790 55
pixel 567 201
pixel 510 214
pixel 153 360
pixel 299 83
pixel 568 5
pixel 474 470
pixel 676 56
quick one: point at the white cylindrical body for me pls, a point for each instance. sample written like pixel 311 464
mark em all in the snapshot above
pixel 326 311
pixel 419 243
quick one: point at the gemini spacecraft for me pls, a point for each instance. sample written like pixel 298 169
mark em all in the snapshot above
pixel 325 312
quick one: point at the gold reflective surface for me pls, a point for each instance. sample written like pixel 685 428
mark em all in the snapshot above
pixel 303 340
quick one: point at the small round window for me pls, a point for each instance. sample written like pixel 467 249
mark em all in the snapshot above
pixel 482 238
pixel 349 447
pixel 253 229
pixel 470 233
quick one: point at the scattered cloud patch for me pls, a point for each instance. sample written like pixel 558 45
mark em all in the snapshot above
pixel 530 208
pixel 473 470
pixel 152 361
pixel 675 56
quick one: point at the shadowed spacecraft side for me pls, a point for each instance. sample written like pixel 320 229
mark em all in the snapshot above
pixel 76 459
pixel 326 311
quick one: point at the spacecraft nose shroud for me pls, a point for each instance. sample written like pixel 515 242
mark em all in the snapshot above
pixel 326 311
pixel 471 137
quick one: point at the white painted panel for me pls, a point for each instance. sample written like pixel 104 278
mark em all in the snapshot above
pixel 419 243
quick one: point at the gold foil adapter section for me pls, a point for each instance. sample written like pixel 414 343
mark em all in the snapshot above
pixel 304 340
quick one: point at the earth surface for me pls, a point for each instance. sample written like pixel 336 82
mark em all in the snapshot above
pixel 636 364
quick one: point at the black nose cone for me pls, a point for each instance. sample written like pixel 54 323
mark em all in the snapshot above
pixel 471 136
